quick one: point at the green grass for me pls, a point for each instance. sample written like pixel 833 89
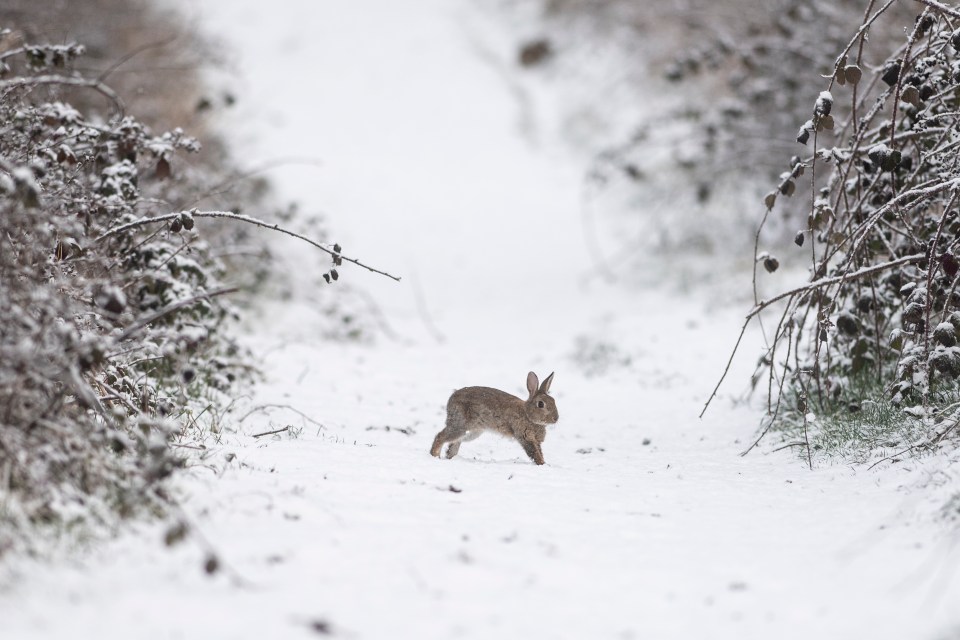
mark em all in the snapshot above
pixel 863 426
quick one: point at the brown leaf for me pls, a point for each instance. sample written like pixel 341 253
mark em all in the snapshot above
pixel 163 169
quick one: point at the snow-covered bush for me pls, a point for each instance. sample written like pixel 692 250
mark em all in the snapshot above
pixel 879 177
pixel 107 340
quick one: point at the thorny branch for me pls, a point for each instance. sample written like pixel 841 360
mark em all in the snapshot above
pixel 886 230
pixel 241 218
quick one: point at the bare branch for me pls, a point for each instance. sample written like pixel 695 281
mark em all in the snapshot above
pixel 170 308
pixel 241 218
pixel 950 11
pixel 826 282
pixel 96 85
pixel 270 433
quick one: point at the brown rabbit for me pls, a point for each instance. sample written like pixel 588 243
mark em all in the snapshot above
pixel 473 410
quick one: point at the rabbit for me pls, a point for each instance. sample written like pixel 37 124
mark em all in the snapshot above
pixel 473 410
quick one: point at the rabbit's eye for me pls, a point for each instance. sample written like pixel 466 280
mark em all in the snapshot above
pixel 540 404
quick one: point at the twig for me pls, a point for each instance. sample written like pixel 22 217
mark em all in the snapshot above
pixel 940 7
pixel 726 369
pixel 424 313
pixel 269 433
pixel 225 185
pixel 826 282
pixel 170 308
pixel 929 442
pixel 786 446
pixel 759 438
pixel 810 286
pixel 263 407
pixel 96 85
pixel 241 218
pixel 589 223
pixel 132 54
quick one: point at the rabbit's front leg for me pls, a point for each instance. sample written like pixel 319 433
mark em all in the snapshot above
pixel 533 450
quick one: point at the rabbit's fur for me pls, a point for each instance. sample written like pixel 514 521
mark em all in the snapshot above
pixel 473 410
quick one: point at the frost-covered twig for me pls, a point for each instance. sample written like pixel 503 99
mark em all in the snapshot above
pixel 810 286
pixel 241 218
pixel 826 282
pixel 939 6
pixel 172 308
pixel 96 85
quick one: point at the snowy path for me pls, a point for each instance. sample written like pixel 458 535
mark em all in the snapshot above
pixel 645 523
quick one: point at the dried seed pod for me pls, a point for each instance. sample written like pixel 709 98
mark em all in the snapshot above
pixel 949 264
pixel 911 95
pixel 891 72
pixel 788 187
pixel 162 171
pixel 771 264
pixel 334 274
pixel 534 52
pixel 770 199
pixel 955 40
pixel 211 565
pixel 803 135
pixel 176 225
pixel 827 122
pixel 187 220
pixel 798 239
pixel 175 534
pixel 852 73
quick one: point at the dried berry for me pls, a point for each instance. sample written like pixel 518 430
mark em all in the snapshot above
pixel 911 95
pixel 852 73
pixel 891 72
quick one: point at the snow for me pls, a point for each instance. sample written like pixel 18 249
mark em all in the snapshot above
pixel 644 523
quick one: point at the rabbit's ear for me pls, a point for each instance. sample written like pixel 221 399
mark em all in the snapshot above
pixel 545 387
pixel 532 383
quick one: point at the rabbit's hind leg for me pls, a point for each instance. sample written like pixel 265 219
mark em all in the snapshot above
pixel 454 447
pixel 442 438
pixel 452 432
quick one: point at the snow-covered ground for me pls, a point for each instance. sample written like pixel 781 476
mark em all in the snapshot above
pixel 644 523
